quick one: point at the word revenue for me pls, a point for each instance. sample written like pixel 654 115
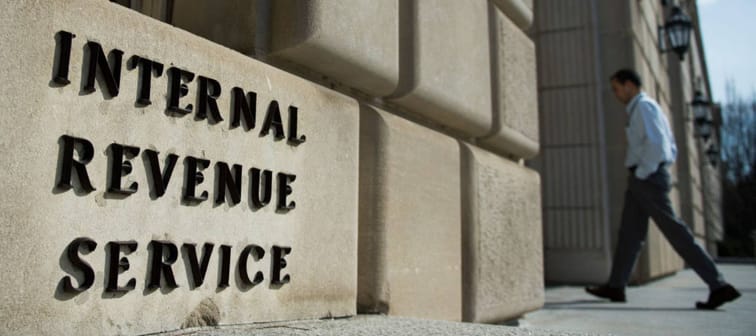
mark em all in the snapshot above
pixel 228 178
pixel 106 71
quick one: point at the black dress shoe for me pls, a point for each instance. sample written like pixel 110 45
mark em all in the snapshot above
pixel 719 297
pixel 613 294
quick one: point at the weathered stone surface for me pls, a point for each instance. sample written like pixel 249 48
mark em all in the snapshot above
pixel 39 220
pixel 409 235
pixel 232 23
pixel 355 42
pixel 206 314
pixel 502 258
pixel 378 325
pixel 516 118
pixel 450 80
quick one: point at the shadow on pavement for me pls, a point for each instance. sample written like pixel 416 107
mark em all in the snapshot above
pixel 581 305
pixel 564 303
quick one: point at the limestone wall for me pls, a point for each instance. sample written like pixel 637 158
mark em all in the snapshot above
pixel 244 161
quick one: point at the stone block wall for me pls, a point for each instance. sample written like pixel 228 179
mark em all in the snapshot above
pixel 430 74
pixel 427 73
pixel 399 130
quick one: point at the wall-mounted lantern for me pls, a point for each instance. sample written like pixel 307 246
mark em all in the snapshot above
pixel 675 34
pixel 702 115
pixel 712 153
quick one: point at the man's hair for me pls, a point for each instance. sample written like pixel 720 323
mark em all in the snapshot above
pixel 624 75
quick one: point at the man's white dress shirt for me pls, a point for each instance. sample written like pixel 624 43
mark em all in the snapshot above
pixel 649 138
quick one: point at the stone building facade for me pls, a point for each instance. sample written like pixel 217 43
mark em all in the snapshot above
pixel 328 158
pixel 580 44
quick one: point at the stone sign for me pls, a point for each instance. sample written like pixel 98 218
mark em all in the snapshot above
pixel 154 180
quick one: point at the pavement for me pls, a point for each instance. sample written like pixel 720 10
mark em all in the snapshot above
pixel 372 325
pixel 664 307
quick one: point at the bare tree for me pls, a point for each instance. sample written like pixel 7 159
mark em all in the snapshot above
pixel 738 135
pixel 738 151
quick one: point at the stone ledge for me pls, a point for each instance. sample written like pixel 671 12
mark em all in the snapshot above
pixel 372 325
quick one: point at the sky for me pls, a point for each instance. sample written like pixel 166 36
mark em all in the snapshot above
pixel 729 34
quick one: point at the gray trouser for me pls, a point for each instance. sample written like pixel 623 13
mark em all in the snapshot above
pixel 649 198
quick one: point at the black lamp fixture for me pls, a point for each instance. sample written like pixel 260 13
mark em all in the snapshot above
pixel 704 131
pixel 701 115
pixel 677 31
pixel 713 154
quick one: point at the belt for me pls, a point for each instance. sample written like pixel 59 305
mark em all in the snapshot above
pixel 661 165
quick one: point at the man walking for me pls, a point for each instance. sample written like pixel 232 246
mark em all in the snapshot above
pixel 651 149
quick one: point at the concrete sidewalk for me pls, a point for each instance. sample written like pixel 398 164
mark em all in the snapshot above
pixel 371 325
pixel 665 307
